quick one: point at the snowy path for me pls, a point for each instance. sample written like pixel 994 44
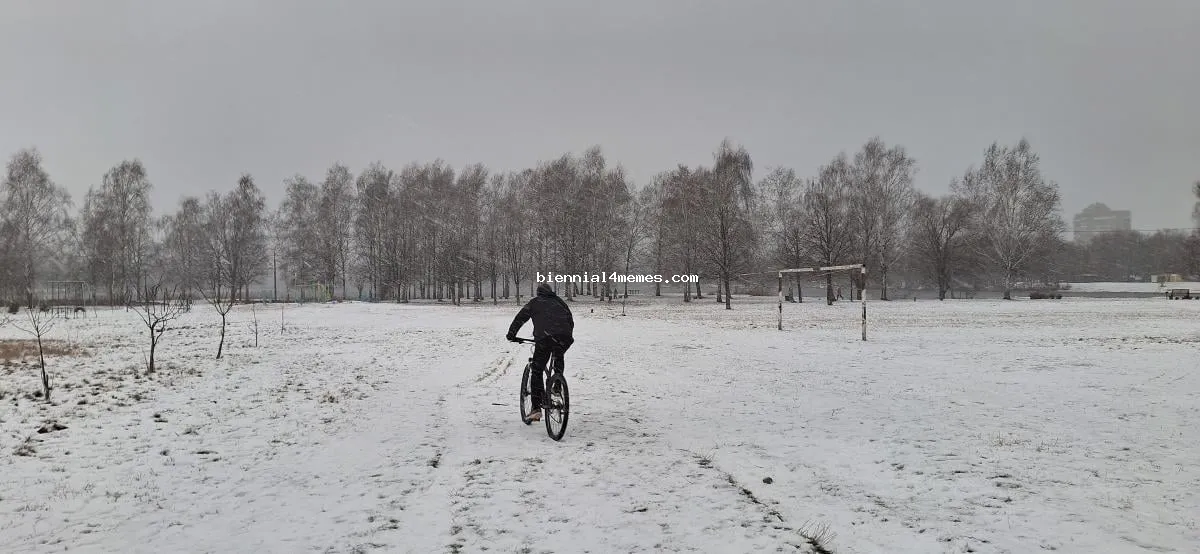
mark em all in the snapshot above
pixel 389 438
pixel 970 426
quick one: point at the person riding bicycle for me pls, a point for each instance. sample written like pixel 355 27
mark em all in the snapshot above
pixel 553 327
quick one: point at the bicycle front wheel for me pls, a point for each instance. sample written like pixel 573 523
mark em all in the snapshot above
pixel 557 407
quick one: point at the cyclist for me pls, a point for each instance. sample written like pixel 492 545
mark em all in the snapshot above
pixel 552 334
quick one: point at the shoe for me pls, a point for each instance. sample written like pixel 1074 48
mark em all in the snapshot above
pixel 535 416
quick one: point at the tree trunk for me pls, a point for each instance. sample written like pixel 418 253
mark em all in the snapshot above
pixel 828 288
pixel 883 287
pixel 221 344
pixel 153 343
pixel 45 377
pixel 728 306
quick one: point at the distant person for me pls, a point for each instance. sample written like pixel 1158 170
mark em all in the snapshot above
pixel 553 327
pixel 839 293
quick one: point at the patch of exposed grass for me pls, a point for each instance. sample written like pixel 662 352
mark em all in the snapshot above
pixel 19 350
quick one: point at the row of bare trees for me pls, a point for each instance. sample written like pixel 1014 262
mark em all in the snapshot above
pixel 432 232
pixel 1000 221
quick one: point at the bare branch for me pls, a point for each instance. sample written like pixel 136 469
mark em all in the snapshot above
pixel 222 304
pixel 157 305
pixel 41 321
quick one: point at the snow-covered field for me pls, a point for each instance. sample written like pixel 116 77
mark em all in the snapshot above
pixel 961 426
pixel 1151 288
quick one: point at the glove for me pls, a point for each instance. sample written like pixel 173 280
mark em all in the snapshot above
pixel 511 338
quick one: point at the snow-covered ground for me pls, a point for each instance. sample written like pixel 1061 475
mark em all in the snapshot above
pixel 960 426
pixel 1152 288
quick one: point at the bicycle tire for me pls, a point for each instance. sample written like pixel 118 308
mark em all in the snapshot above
pixel 557 401
pixel 525 396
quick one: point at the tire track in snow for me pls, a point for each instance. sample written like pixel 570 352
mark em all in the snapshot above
pixel 508 487
pixel 435 499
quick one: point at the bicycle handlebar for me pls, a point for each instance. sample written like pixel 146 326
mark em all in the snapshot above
pixel 523 340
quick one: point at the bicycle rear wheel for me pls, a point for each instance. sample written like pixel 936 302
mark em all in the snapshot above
pixel 556 405
pixel 526 400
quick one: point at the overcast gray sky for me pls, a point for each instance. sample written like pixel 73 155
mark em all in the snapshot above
pixel 1107 91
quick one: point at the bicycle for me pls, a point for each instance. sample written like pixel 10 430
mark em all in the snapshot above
pixel 555 399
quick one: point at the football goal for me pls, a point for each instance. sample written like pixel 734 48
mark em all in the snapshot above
pixel 858 281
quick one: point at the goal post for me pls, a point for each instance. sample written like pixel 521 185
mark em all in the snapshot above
pixel 862 268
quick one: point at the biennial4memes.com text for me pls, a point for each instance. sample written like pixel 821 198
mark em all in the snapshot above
pixel 613 277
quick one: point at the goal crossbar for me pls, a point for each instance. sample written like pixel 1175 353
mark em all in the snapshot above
pixel 824 269
pixel 861 267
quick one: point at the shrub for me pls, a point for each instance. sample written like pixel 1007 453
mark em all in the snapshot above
pixel 13 308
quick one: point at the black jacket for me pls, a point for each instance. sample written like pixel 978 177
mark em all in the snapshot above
pixel 551 316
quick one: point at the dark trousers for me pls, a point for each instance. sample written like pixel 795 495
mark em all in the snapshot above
pixel 543 350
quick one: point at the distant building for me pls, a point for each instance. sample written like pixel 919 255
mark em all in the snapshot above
pixel 1098 218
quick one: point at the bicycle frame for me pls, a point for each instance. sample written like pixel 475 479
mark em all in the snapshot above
pixel 550 364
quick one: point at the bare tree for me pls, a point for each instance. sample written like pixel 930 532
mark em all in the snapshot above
pixel 215 270
pixel 39 322
pixel 883 195
pixel 186 257
pixel 653 201
pixel 490 237
pixel 1016 212
pixel 1122 255
pixel 682 193
pixel 157 304
pixel 9 290
pixel 516 230
pixel 254 314
pixel 97 248
pixel 729 235
pixel 117 220
pixel 634 235
pixel 601 205
pixel 275 246
pixel 33 216
pixel 335 224
pixel 937 237
pixel 299 232
pixel 1191 248
pixel 462 224
pixel 552 227
pixel 217 260
pixel 247 246
pixel 827 231
pixel 372 223
pixel 222 304
pixel 783 221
